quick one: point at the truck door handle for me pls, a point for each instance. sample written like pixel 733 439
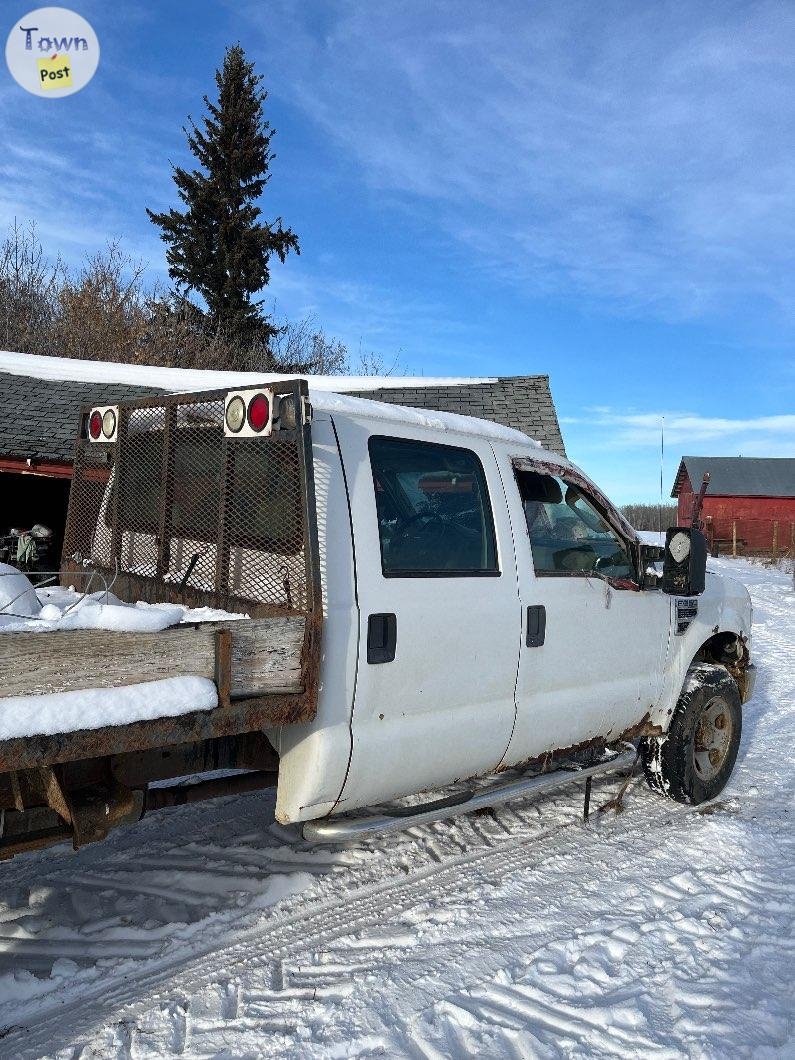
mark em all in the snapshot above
pixel 536 625
pixel 381 638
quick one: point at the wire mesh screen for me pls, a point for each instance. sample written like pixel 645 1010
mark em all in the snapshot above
pixel 175 510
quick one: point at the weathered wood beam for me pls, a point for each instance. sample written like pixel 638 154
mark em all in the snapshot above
pixel 265 657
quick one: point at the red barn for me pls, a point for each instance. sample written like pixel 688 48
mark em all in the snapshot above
pixel 750 501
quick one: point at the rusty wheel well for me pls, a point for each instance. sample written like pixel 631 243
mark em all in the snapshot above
pixel 730 650
pixel 726 649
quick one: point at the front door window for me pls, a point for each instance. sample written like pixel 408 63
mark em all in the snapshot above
pixel 568 535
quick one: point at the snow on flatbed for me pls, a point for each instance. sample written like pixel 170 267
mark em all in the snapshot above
pixel 25 609
pixel 206 931
pixel 94 708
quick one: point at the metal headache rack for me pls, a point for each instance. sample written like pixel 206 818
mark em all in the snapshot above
pixel 175 509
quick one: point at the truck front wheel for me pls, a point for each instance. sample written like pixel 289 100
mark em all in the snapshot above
pixel 693 761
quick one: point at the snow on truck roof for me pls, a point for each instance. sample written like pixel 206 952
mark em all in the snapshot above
pixel 331 394
pixel 365 408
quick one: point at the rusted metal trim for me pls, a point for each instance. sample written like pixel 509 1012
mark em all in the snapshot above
pixel 16 791
pixel 243 715
pixel 95 811
pixel 54 795
pixel 624 529
pixel 38 841
pixel 543 762
pixel 30 466
pixel 572 475
pixel 223 666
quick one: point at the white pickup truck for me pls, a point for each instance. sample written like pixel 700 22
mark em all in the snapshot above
pixel 434 600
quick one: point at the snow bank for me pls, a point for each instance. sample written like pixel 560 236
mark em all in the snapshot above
pixel 93 708
pixel 17 595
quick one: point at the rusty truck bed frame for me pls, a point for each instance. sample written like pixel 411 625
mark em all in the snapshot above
pixel 173 511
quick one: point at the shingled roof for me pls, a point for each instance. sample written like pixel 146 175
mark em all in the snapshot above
pixel 523 402
pixel 739 476
pixel 39 417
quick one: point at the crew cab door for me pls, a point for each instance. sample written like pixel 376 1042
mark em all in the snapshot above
pixel 593 649
pixel 440 616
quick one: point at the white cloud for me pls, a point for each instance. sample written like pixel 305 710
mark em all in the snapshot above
pixel 636 155
pixel 688 432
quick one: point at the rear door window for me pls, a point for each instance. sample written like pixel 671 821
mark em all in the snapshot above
pixel 434 515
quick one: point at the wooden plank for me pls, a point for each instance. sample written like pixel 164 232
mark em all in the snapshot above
pixel 266 657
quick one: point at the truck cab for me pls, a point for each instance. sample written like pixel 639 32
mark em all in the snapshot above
pixel 492 609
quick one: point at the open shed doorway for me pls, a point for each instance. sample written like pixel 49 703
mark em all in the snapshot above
pixel 27 499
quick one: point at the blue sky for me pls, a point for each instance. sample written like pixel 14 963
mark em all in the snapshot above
pixel 604 193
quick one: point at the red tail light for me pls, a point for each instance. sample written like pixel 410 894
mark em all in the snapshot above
pixel 259 411
pixel 95 424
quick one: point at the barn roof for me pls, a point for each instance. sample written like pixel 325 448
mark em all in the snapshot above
pixel 40 398
pixel 738 476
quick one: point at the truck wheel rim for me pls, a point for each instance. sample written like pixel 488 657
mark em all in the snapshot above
pixel 713 738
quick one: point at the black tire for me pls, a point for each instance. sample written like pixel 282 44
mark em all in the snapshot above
pixel 693 761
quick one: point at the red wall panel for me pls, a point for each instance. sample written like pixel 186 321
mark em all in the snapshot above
pixel 754 517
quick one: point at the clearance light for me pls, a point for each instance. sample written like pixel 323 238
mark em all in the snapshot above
pixel 259 413
pixel 109 423
pixel 287 414
pixel 103 423
pixel 248 413
pixel 236 414
pixel 287 420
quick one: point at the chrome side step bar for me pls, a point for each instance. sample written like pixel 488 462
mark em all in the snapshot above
pixel 343 829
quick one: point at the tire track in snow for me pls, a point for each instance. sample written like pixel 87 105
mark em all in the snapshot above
pixel 314 926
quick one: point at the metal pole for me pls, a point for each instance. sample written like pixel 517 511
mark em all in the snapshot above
pixel 734 538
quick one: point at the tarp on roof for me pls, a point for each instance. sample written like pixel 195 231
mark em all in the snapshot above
pixel 739 476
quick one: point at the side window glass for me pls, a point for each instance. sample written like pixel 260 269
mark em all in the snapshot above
pixel 434 516
pixel 567 533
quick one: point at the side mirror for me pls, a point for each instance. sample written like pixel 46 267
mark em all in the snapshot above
pixel 685 562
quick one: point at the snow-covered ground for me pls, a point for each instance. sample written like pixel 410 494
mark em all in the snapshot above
pixel 665 931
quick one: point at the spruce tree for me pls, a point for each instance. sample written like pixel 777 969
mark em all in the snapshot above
pixel 217 245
